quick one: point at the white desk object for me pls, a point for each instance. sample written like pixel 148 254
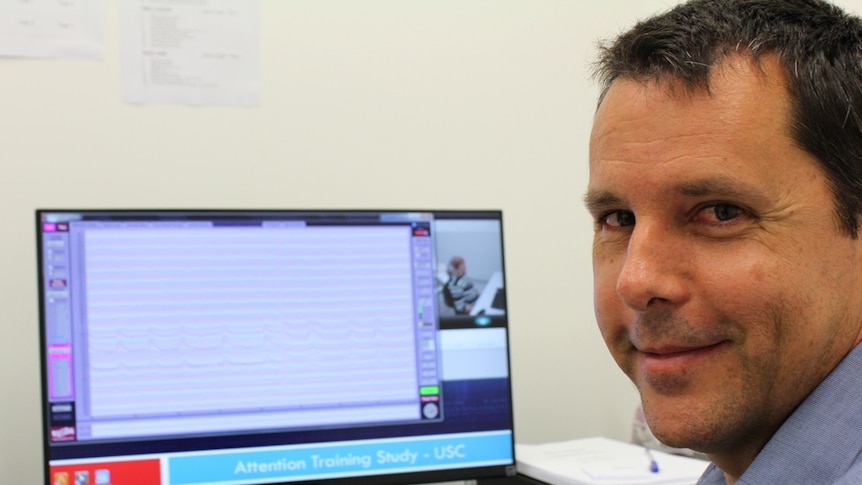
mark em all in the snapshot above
pixel 602 461
pixel 486 298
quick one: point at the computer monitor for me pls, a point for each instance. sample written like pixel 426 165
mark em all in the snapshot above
pixel 239 347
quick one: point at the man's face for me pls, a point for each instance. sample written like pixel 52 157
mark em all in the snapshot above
pixel 460 269
pixel 724 287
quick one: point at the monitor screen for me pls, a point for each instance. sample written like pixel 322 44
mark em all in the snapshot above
pixel 247 347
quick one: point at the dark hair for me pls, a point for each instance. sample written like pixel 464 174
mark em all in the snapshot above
pixel 818 45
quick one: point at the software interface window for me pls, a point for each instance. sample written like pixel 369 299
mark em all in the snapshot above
pixel 158 328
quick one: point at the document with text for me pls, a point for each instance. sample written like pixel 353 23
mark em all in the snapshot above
pixel 202 52
pixel 70 29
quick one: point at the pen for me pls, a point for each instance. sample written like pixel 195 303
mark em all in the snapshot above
pixel 653 465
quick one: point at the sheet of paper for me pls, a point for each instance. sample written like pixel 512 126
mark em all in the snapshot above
pixel 197 52
pixel 52 28
pixel 597 461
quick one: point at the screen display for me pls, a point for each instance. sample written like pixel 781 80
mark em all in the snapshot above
pixel 266 347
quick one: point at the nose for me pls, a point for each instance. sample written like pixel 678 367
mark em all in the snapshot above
pixel 655 268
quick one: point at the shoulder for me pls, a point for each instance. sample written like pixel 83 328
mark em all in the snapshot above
pixel 853 475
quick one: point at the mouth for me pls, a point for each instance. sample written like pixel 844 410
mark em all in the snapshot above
pixel 676 360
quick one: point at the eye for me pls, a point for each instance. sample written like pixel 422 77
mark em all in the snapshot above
pixel 726 212
pixel 719 213
pixel 618 219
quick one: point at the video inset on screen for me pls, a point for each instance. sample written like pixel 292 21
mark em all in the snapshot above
pixel 470 279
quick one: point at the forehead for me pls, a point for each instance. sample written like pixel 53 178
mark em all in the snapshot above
pixel 739 128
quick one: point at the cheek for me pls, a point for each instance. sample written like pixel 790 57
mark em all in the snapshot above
pixel 612 315
pixel 604 279
pixel 757 301
pixel 606 269
pixel 743 285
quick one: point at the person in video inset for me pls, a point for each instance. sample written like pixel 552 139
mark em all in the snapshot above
pixel 726 191
pixel 459 292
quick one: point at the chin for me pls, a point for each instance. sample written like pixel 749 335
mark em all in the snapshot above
pixel 674 439
pixel 677 425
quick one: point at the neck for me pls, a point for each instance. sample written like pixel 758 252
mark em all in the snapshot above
pixel 734 463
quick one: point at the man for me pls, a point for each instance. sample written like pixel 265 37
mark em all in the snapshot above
pixel 459 292
pixel 726 188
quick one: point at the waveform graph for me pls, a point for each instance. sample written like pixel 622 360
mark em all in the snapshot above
pixel 200 321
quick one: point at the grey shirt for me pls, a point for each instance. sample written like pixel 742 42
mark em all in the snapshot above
pixel 820 443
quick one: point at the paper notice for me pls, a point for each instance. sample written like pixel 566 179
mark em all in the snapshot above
pixel 198 52
pixel 52 28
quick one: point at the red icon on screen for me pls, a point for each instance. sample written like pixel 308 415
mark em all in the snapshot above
pixel 134 472
pixel 63 433
pixel 57 283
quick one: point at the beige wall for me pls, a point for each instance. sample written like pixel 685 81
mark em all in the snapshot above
pixel 373 103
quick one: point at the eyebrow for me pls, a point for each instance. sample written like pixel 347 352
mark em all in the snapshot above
pixel 598 201
pixel 720 187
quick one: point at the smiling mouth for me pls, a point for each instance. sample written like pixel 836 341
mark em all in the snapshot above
pixel 673 351
pixel 676 360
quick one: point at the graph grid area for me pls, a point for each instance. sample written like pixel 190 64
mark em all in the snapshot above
pixel 197 321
